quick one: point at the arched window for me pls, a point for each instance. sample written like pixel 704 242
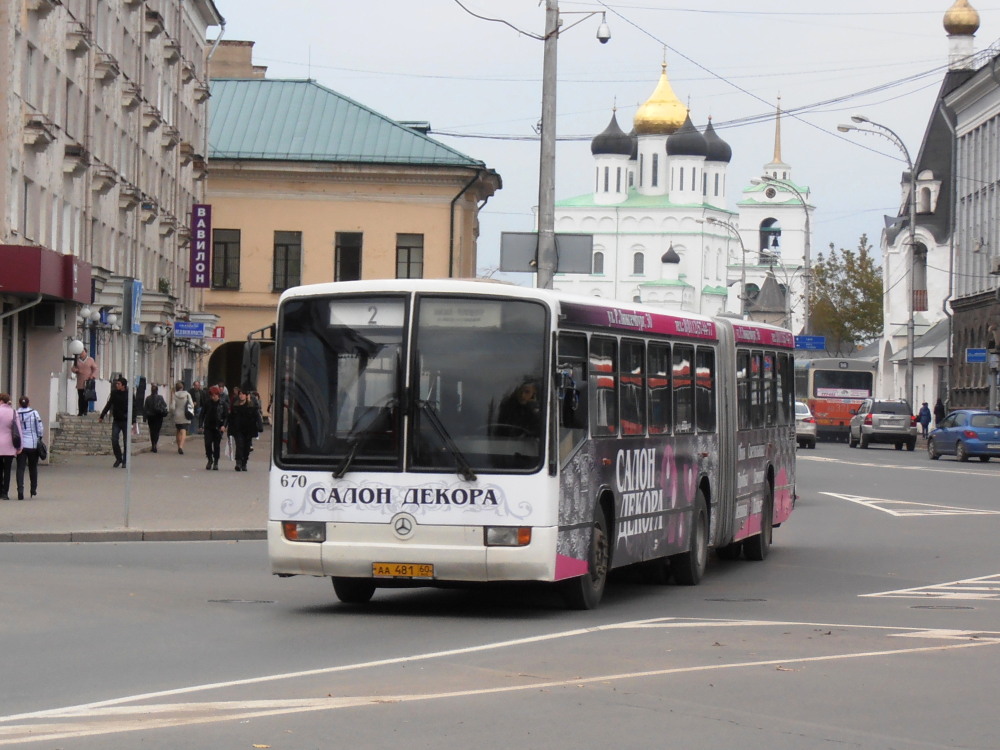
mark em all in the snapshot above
pixel 642 168
pixel 770 236
pixel 598 263
pixel 680 178
pixel 638 264
pixel 656 171
pixel 924 201
pixel 607 172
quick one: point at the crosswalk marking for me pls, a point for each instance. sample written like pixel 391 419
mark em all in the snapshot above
pixel 986 588
pixel 906 508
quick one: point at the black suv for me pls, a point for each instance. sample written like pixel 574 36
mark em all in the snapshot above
pixel 884 421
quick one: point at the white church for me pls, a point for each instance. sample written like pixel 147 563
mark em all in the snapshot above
pixel 663 232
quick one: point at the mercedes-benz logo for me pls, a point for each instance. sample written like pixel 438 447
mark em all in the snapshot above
pixel 403 525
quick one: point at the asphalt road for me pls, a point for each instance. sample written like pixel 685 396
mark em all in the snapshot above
pixel 874 623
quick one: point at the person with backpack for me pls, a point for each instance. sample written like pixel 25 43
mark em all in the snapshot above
pixel 154 409
pixel 32 431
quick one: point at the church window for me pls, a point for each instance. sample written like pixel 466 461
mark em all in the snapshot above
pixel 638 264
pixel 597 179
pixel 716 185
pixel 642 167
pixel 656 171
pixel 618 180
pixel 598 263
pixel 606 173
pixel 924 202
pixel 680 178
pixel 704 183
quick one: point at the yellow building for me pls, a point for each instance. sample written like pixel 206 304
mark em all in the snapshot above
pixel 308 186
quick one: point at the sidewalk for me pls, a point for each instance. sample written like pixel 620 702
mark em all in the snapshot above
pixel 171 497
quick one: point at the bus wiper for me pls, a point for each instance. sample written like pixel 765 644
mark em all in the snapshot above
pixel 360 431
pixel 464 470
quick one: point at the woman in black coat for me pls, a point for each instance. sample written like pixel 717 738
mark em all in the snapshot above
pixel 244 426
pixel 154 409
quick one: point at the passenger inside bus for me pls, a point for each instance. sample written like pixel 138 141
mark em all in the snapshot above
pixel 518 415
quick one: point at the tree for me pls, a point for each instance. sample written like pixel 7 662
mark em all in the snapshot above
pixel 846 297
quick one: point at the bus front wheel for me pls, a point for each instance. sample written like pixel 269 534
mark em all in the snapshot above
pixel 353 590
pixel 585 592
pixel 689 566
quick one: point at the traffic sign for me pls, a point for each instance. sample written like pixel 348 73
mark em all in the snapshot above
pixel 975 356
pixel 813 343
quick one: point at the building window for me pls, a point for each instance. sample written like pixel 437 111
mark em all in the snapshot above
pixel 656 171
pixel 638 264
pixel 347 263
pixel 598 264
pixel 226 259
pixel 287 260
pixel 409 256
pixel 680 178
pixel 607 173
pixel 642 168
pixel 716 184
pixel 618 180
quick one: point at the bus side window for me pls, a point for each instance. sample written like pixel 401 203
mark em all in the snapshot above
pixel 571 384
pixel 743 389
pixel 633 387
pixel 769 393
pixel 682 378
pixel 658 383
pixel 603 386
pixel 785 410
pixel 704 390
pixel 756 389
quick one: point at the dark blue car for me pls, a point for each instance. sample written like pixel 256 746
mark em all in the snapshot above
pixel 965 433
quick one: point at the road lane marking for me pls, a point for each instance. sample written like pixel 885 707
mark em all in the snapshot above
pixel 935 468
pixel 112 717
pixel 985 588
pixel 907 508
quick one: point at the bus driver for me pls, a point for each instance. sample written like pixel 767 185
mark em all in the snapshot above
pixel 519 415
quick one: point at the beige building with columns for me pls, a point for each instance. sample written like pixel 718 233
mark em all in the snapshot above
pixel 309 186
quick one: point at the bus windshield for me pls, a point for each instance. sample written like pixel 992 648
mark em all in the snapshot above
pixel 476 386
pixel 479 374
pixel 340 372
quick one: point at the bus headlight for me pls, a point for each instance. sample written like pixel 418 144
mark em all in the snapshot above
pixel 507 536
pixel 304 531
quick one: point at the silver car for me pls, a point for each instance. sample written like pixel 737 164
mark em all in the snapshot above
pixel 884 421
pixel 805 426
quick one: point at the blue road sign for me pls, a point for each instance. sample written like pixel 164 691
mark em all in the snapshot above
pixel 814 343
pixel 973 356
pixel 186 330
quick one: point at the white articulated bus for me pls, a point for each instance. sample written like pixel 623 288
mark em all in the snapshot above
pixel 430 432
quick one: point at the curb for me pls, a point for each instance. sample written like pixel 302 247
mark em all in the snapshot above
pixel 136 535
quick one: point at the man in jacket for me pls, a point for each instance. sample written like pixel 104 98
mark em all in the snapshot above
pixel 118 406
pixel 216 416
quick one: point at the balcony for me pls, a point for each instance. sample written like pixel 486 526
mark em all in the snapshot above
pixel 75 159
pixel 187 153
pixel 39 130
pixel 128 197
pixel 106 67
pixel 170 137
pixel 171 51
pixel 103 179
pixel 131 96
pixel 151 117
pixel 148 211
pixel 919 300
pixel 187 71
pixel 43 7
pixel 77 38
pixel 154 23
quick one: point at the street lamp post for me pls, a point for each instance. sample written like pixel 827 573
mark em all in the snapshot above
pixel 893 137
pixel 546 259
pixel 743 266
pixel 806 249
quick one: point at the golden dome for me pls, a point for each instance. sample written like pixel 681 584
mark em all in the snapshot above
pixel 961 19
pixel 661 114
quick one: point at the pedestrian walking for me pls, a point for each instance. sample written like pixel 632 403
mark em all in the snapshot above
pixel 939 413
pixel 85 369
pixel 216 417
pixel 183 414
pixel 154 409
pixel 10 443
pixel 199 397
pixel 118 406
pixel 924 417
pixel 32 432
pixel 245 423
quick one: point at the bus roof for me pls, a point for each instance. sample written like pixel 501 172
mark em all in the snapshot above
pixel 572 309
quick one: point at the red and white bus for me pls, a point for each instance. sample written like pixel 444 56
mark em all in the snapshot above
pixel 834 389
pixel 430 432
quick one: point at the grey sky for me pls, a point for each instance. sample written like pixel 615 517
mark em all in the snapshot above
pixel 431 60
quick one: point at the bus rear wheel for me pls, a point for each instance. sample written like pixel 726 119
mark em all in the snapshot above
pixel 757 547
pixel 585 592
pixel 353 590
pixel 689 567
